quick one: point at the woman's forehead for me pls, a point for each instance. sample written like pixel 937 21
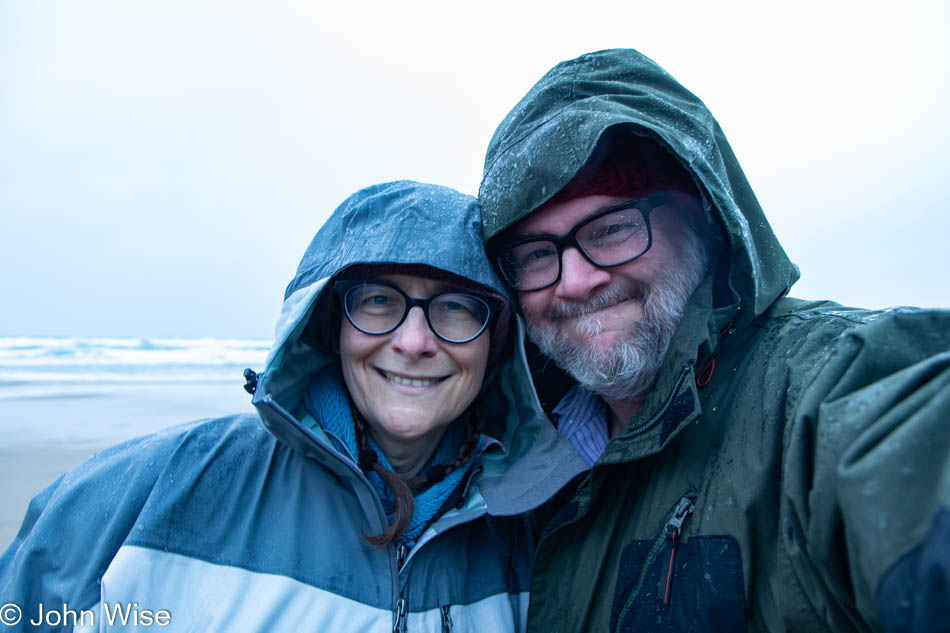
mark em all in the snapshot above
pixel 415 285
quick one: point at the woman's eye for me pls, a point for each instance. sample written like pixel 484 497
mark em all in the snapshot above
pixel 375 303
pixel 459 308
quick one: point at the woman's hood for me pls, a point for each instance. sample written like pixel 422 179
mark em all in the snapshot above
pixel 400 222
pixel 407 223
pixel 553 131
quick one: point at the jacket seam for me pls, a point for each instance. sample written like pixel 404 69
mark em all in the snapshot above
pixel 164 548
pixel 821 317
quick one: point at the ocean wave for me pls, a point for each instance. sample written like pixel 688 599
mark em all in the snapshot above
pixel 51 355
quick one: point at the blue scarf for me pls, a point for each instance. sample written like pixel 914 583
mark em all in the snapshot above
pixel 328 402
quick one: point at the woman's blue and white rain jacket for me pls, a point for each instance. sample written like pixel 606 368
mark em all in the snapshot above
pixel 234 525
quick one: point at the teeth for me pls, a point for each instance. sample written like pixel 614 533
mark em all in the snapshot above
pixel 409 382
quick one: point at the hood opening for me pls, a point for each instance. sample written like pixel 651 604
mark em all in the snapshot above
pixel 322 331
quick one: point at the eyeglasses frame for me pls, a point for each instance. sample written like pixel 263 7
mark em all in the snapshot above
pixel 560 242
pixel 342 287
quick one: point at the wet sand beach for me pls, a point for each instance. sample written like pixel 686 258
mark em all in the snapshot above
pixel 46 435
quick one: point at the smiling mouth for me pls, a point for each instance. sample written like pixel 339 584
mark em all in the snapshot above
pixel 410 382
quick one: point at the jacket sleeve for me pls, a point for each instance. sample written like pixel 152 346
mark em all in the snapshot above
pixel 73 529
pixel 866 477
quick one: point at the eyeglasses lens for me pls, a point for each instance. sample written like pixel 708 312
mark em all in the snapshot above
pixel 614 238
pixel 458 317
pixel 373 308
pixel 532 264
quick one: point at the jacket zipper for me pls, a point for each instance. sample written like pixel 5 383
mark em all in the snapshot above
pixel 400 613
pixel 400 626
pixel 671 530
pixel 401 551
pixel 646 426
pixel 446 619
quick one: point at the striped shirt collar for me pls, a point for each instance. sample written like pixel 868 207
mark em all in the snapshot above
pixel 581 418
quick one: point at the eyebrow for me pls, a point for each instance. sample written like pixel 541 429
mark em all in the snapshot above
pixel 441 287
pixel 519 236
pixel 600 209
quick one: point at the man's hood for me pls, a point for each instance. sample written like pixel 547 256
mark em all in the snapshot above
pixel 552 132
pixel 410 223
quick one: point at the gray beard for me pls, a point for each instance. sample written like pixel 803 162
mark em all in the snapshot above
pixel 624 370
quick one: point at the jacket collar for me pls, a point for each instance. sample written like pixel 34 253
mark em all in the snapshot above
pixel 674 401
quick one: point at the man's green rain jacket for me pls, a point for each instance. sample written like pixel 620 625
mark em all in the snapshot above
pixel 790 470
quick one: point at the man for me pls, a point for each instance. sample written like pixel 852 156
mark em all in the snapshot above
pixel 758 462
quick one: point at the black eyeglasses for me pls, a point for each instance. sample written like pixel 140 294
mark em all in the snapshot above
pixel 378 308
pixel 617 235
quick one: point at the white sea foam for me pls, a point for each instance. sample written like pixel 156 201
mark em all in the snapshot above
pixel 31 365
pixel 25 352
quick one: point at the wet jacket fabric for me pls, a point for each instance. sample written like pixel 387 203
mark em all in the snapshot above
pixel 790 469
pixel 234 525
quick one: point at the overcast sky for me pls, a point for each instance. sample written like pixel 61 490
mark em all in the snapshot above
pixel 163 165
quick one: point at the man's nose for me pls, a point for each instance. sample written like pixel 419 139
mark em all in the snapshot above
pixel 579 278
pixel 414 337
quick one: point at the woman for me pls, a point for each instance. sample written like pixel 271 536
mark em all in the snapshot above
pixel 392 433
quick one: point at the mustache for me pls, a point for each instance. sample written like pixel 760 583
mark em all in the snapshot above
pixel 611 296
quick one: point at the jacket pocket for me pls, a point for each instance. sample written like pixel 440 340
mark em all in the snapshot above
pixel 669 585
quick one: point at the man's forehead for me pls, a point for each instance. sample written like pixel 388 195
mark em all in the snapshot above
pixel 558 217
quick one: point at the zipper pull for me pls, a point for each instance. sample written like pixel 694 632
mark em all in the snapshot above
pixel 446 619
pixel 400 626
pixel 401 553
pixel 673 529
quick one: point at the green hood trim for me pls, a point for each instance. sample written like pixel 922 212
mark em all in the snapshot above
pixel 552 132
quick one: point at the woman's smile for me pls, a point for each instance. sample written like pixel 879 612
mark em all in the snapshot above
pixel 417 382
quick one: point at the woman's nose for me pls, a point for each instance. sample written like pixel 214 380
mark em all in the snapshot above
pixel 414 337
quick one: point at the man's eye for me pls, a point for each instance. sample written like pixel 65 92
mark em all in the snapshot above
pixel 616 232
pixel 534 255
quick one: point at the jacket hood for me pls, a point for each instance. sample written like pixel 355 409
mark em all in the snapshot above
pixel 402 223
pixel 553 131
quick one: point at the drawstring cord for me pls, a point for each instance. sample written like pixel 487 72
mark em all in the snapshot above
pixel 704 377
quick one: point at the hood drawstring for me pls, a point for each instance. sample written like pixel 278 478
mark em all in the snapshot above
pixel 704 377
pixel 250 380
